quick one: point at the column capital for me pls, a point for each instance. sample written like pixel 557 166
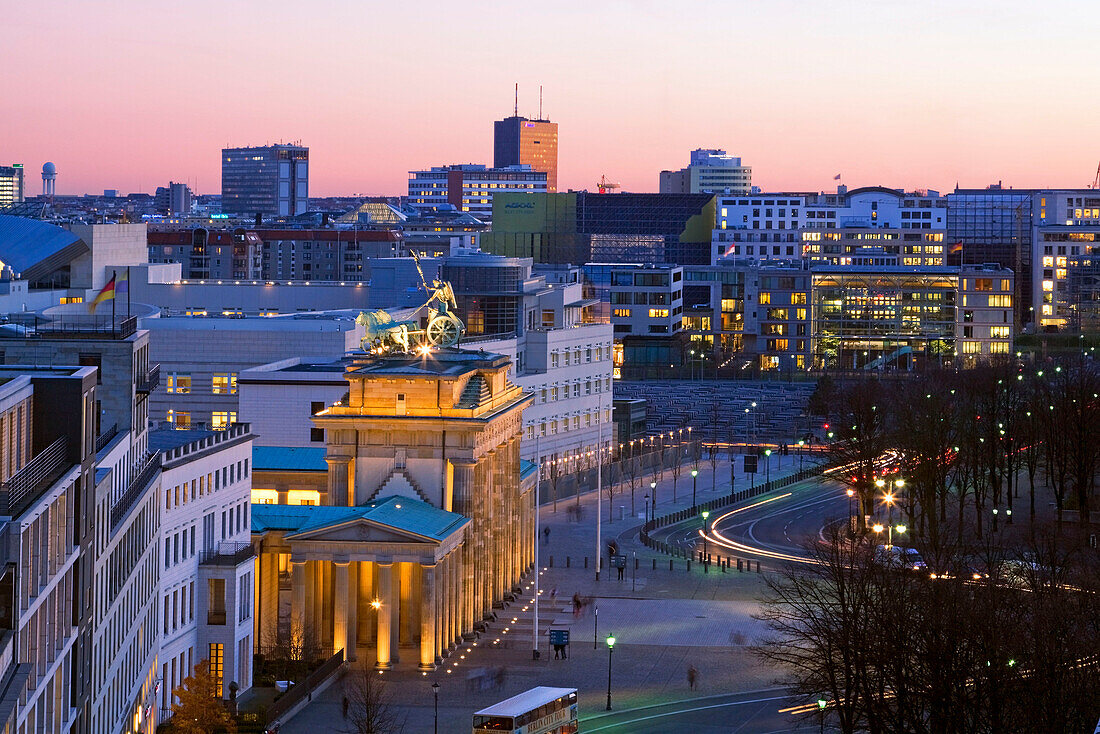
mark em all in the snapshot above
pixel 341 562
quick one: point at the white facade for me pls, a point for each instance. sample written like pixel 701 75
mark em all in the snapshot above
pixel 710 171
pixel 985 316
pixel 207 568
pixel 769 225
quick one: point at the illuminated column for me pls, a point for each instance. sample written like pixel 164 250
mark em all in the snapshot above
pixel 427 616
pixel 353 612
pixel 466 562
pixel 340 609
pixel 298 615
pixel 317 621
pixel 366 596
pixel 383 613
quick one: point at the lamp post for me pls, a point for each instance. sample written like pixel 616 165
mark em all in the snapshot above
pixel 653 490
pixel 694 484
pixel 821 704
pixel 802 443
pixel 595 625
pixel 647 509
pixel 706 555
pixel 435 690
pixel 768 465
pixel 851 493
pixel 610 649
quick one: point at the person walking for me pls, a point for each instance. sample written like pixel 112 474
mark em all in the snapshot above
pixel 345 706
pixel 693 677
pixel 546 535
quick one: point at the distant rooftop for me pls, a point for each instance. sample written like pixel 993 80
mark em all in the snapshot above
pixel 402 513
pixel 166 439
pixel 437 362
pixel 288 458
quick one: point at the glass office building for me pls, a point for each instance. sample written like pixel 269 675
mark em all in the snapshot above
pixel 272 181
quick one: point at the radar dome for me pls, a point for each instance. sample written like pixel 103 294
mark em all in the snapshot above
pixel 49 168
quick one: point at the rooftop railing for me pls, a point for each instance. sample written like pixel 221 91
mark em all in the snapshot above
pixel 20 490
pixel 227 554
pixel 148 468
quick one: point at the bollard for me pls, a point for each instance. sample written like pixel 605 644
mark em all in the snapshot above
pixel 654 564
pixel 669 564
pixel 635 563
pixel 758 566
pixel 586 561
pixel 689 566
pixel 568 561
pixel 739 569
pixel 723 567
pixel 706 568
pixel 551 561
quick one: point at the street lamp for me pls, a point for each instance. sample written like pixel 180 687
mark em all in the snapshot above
pixel 647 509
pixel 821 704
pixel 851 494
pixel 653 489
pixel 435 690
pixel 768 464
pixel 706 555
pixel 610 649
pixel 802 443
pixel 694 483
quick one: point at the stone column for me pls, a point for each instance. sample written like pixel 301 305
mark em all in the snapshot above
pixel 298 611
pixel 338 481
pixel 427 616
pixel 340 609
pixel 267 599
pixel 317 621
pixel 440 615
pixel 383 613
pixel 464 493
pixel 353 612
pixel 456 596
pixel 366 596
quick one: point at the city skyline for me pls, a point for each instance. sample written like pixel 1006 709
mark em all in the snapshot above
pixel 877 93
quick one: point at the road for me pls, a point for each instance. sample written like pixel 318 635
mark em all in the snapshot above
pixel 747 712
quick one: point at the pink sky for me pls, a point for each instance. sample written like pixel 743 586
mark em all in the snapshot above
pixel 130 95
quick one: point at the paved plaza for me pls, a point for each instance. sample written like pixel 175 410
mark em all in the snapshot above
pixel 672 620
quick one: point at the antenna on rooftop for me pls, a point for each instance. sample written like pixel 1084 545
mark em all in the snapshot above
pixel 515 110
pixel 540 101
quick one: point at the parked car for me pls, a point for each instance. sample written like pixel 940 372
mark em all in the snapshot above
pixel 896 556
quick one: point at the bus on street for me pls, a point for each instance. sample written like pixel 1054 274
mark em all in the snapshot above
pixel 541 710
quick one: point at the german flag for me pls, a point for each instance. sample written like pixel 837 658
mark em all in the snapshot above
pixel 107 294
pixel 956 248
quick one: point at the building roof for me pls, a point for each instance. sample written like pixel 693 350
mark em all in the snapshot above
pixel 526 468
pixel 166 439
pixel 447 361
pixel 400 513
pixel 34 249
pixel 524 702
pixel 288 458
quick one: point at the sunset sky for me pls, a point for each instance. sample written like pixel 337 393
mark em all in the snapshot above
pixel 129 95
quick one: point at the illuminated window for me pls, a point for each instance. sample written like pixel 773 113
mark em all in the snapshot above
pixel 971 347
pixel 1048 310
pixel 800 314
pixel 216 659
pixel 798 299
pixel 265 497
pixel 225 383
pixel 998 348
pixel 658 313
pixel 179 382
pixel 1048 261
pixel 999 332
pixel 1060 273
pixel 1000 301
pixel 1048 285
pixel 621 313
pixel 983 284
pixel 765 298
pixel 221 420
pixel 180 419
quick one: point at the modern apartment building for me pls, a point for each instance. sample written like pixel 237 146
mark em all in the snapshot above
pixel 471 187
pixel 519 141
pixel 710 171
pixel 206 578
pixel 11 184
pixel 771 226
pixel 271 181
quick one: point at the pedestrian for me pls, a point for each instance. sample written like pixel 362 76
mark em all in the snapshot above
pixel 693 677
pixel 546 534
pixel 576 604
pixel 553 594
pixel 345 706
pixel 557 652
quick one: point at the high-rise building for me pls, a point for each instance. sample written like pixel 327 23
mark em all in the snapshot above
pixel 470 187
pixel 519 141
pixel 272 180
pixel 11 184
pixel 710 171
pixel 175 199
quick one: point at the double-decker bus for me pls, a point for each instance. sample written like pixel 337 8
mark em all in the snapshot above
pixel 541 710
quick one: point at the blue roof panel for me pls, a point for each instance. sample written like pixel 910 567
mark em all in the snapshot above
pixel 400 513
pixel 288 458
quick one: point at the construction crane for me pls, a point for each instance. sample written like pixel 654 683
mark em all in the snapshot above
pixel 605 186
pixel 1096 180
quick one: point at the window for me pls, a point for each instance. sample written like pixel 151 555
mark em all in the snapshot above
pixel 180 419
pixel 316 434
pixel 179 383
pixel 658 313
pixel 983 284
pixel 216 663
pixel 621 313
pixel 998 332
pixel 765 298
pixel 222 419
pixel 216 608
pixel 225 383
pixel 1000 301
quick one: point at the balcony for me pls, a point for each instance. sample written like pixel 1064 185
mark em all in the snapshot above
pixel 149 466
pixel 148 382
pixel 17 494
pixel 70 326
pixel 227 554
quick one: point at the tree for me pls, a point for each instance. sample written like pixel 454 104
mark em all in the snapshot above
pixel 862 436
pixel 199 708
pixel 369 709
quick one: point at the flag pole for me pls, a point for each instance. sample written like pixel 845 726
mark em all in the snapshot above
pixel 114 299
pixel 127 291
pixel 538 480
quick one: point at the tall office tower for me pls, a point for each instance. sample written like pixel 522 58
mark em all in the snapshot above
pixel 517 140
pixel 49 179
pixel 272 180
pixel 710 171
pixel 174 199
pixel 11 184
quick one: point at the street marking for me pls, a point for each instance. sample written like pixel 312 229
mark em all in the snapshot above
pixel 681 711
